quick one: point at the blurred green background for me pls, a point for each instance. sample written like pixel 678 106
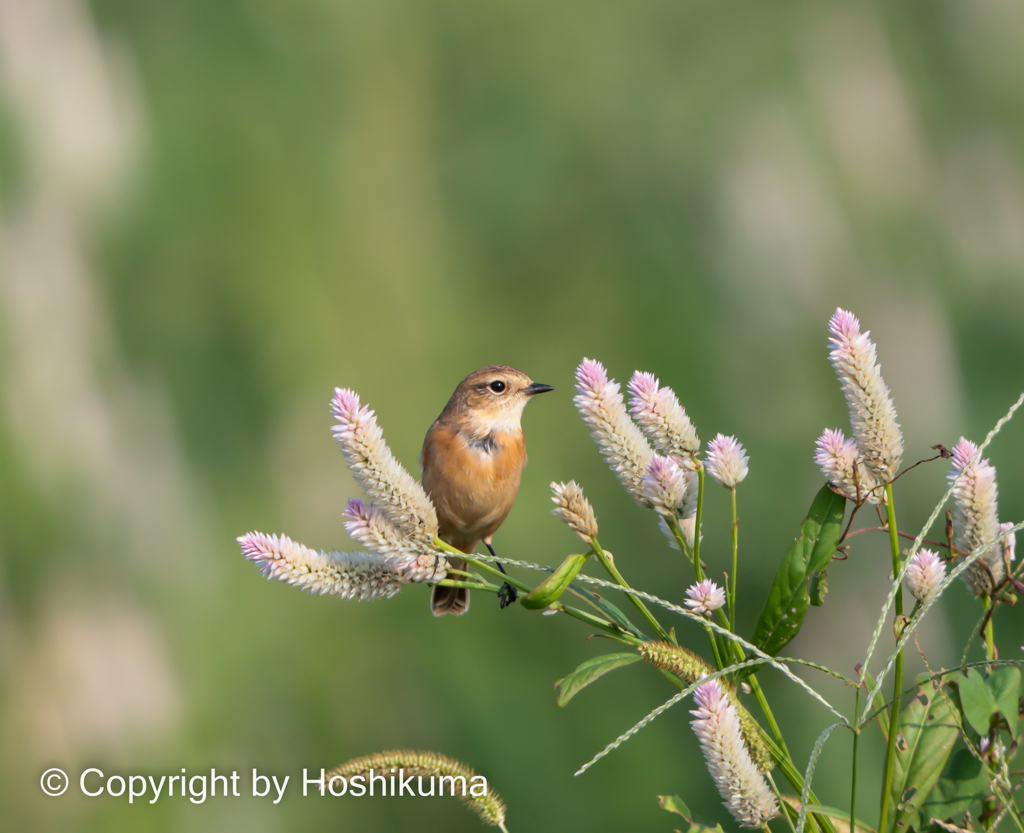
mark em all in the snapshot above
pixel 212 212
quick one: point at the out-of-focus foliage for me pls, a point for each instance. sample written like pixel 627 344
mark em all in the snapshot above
pixel 211 213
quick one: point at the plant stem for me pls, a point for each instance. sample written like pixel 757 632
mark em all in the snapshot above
pixel 990 640
pixel 613 571
pixel 890 754
pixel 696 521
pixel 735 549
pixel 763 701
pixel 853 768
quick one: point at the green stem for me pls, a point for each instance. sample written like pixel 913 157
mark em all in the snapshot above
pixel 481 565
pixel 755 686
pixel 735 549
pixel 890 753
pixel 471 585
pixel 696 522
pixel 990 639
pixel 596 622
pixel 853 776
pixel 613 571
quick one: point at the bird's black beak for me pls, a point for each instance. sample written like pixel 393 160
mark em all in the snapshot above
pixel 536 387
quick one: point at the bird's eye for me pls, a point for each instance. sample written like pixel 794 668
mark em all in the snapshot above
pixel 497 386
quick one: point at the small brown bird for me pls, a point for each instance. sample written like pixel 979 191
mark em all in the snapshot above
pixel 472 458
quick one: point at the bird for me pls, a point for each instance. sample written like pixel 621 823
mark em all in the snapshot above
pixel 472 459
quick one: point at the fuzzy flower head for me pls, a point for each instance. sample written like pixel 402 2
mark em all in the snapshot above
pixel 976 516
pixel 705 597
pixel 742 787
pixel 660 416
pixel 620 441
pixel 837 458
pixel 872 412
pixel 925 573
pixel 669 488
pixel 573 509
pixel 395 493
pixel 412 556
pixel 726 461
pixel 351 575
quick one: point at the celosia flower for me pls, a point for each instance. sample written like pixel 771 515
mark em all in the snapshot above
pixel 370 527
pixel 622 445
pixel 574 509
pixel 872 413
pixel 660 416
pixel 465 784
pixel 690 668
pixel 705 597
pixel 393 490
pixel 687 526
pixel 726 461
pixel 925 573
pixel 351 575
pixel 742 787
pixel 837 458
pixel 976 517
pixel 412 556
pixel 669 488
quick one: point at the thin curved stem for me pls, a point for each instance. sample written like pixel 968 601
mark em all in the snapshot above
pixel 890 753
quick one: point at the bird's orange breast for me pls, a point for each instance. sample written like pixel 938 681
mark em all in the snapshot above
pixel 472 483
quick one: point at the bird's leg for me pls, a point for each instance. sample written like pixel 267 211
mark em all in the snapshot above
pixel 507 594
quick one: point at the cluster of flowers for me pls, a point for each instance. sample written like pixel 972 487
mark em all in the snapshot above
pixel 653 449
pixel 862 466
pixel 655 455
pixel 397 526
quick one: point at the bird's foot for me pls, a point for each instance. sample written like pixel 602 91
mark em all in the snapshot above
pixel 507 595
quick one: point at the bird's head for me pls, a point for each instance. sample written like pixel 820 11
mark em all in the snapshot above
pixel 492 399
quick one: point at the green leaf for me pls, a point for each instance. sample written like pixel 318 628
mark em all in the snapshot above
pixel 611 611
pixel 1004 683
pixel 842 815
pixel 788 599
pixel 976 699
pixel 589 671
pixel 674 804
pixel 927 731
pixel 962 784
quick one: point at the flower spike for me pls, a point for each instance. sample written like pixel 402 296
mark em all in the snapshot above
pixel 726 461
pixel 351 575
pixel 976 518
pixel 660 416
pixel 572 508
pixel 925 573
pixel 393 490
pixel 872 412
pixel 717 726
pixel 622 445
pixel 837 458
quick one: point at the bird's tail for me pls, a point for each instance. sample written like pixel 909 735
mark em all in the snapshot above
pixel 453 600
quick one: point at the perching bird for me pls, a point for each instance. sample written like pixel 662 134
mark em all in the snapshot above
pixel 472 458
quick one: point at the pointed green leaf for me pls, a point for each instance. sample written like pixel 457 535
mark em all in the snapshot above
pixel 1004 683
pixel 962 784
pixel 589 671
pixel 842 815
pixel 788 599
pixel 674 804
pixel 927 731
pixel 611 611
pixel 977 700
